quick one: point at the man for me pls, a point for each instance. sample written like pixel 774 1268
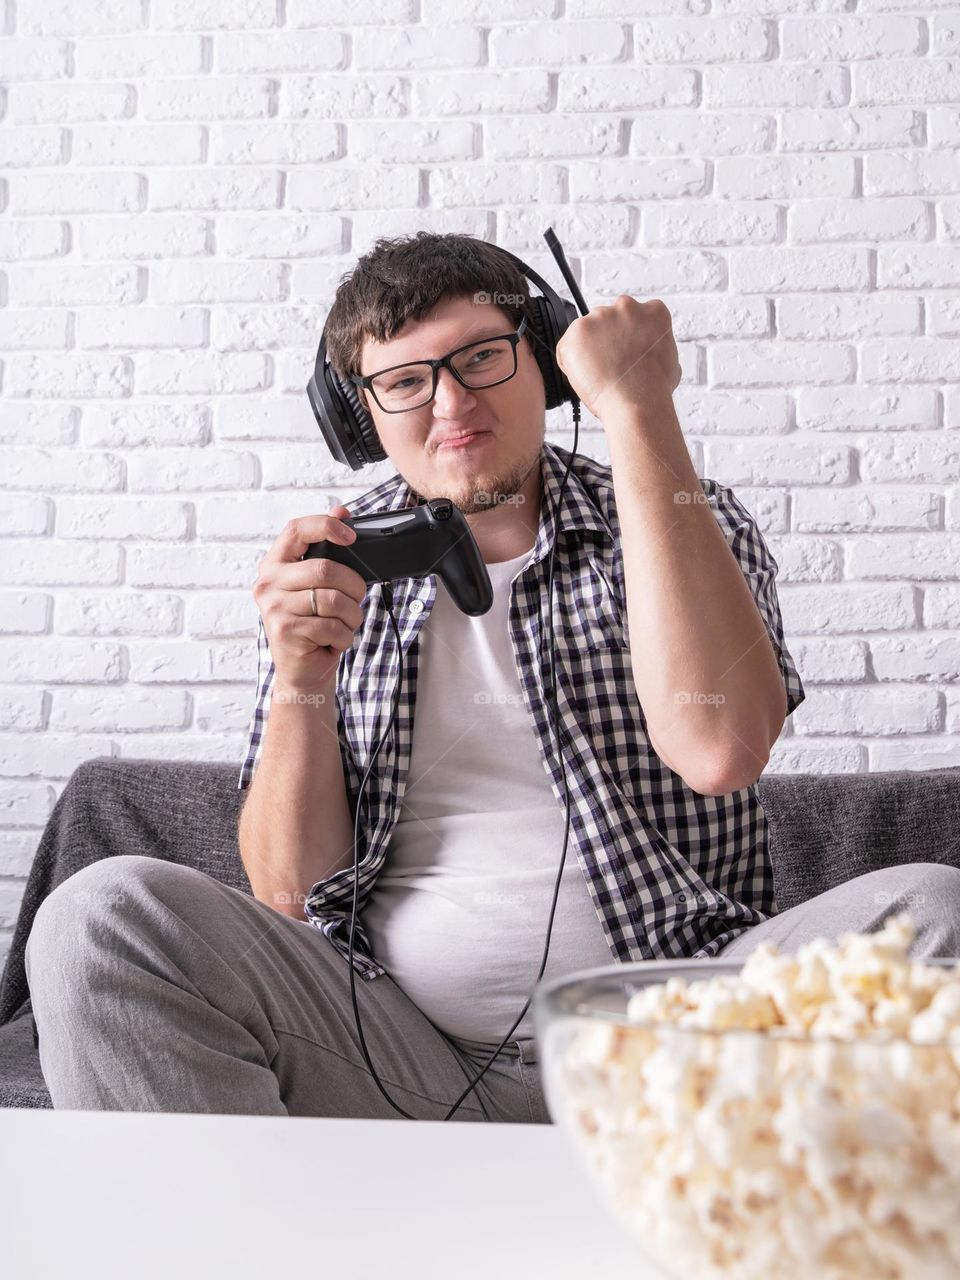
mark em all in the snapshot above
pixel 673 682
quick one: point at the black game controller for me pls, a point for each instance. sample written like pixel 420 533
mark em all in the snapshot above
pixel 414 543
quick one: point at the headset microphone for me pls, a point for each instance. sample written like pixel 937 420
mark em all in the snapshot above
pixel 351 436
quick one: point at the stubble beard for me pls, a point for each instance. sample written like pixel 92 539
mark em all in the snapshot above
pixel 479 492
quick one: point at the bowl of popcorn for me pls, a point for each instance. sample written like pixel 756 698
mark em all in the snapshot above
pixel 781 1117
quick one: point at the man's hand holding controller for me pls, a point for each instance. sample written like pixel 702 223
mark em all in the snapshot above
pixel 306 649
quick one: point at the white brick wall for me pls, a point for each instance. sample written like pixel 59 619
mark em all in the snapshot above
pixel 179 197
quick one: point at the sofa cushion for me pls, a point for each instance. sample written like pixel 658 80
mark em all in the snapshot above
pixel 823 830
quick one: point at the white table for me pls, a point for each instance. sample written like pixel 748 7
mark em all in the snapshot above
pixel 144 1194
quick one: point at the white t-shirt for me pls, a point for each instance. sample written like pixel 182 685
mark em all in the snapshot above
pixel 458 915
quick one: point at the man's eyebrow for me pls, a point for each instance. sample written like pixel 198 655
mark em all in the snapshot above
pixel 491 330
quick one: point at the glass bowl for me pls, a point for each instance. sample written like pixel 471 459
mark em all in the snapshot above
pixel 755 1154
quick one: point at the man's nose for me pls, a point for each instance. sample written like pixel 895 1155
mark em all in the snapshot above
pixel 452 398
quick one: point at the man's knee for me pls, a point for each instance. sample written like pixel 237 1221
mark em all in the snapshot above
pixel 76 914
pixel 917 885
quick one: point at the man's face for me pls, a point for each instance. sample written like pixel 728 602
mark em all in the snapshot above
pixel 511 416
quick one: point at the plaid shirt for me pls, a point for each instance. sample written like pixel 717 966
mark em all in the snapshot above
pixel 671 873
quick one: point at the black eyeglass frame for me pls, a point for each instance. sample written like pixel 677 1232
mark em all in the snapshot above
pixel 444 362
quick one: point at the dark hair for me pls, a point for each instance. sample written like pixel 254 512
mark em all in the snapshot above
pixel 404 277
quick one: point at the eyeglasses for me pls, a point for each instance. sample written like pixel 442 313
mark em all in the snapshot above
pixel 484 363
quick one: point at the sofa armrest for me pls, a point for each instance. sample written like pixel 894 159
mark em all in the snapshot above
pixel 180 811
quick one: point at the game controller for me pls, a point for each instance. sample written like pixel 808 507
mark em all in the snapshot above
pixel 414 543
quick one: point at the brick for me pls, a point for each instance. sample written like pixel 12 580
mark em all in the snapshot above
pixel 416 47
pixel 47 755
pixel 56 660
pixel 921 80
pixel 143 55
pixel 909 360
pixel 719 39
pixel 715 133
pixel 123 518
pixel 118 613
pixel 55 102
pixel 935 557
pixel 758 364
pixel 863 408
pixel 279 235
pixel 882 711
pixel 64 470
pixel 556 44
pixel 35 562
pixel 851 129
pixel 850 38
pixel 127 709
pixel 759 177
pixel 216 282
pixel 24 613
pixel 775 84
pixel 79 192
pixel 206 15
pixel 72 375
pixel 555 136
pixel 242 53
pixel 142 326
pixel 904 218
pixel 941 607
pixel 17 852
pixel 621 88
pixel 22 148
pixel 32 58
pixel 923 267
pixel 813 317
pixel 345 97
pixel 865 510
pixel 793 269
pixel 892 173
pixel 662 271
pixel 205 99
pixel 182 661
pixel 194 470
pixel 827 661
pixel 158 236
pixel 923 658
pixel 21 709
pixel 203 373
pixel 709 223
pixel 933 458
pixel 198 565
pixel 231 614
pixel 847 608
pixel 143 425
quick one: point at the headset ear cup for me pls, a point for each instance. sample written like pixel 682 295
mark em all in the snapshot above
pixel 363 424
pixel 544 347
pixel 548 330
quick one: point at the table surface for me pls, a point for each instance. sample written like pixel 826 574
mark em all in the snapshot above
pixel 143 1193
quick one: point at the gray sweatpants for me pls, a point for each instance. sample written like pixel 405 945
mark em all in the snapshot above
pixel 157 988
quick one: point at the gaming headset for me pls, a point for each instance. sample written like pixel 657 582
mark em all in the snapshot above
pixel 352 439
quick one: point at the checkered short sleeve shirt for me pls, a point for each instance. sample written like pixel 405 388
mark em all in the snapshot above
pixel 671 873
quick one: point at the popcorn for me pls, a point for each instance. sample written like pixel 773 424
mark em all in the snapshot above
pixel 812 1129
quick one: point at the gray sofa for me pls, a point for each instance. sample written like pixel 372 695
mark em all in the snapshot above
pixel 824 829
